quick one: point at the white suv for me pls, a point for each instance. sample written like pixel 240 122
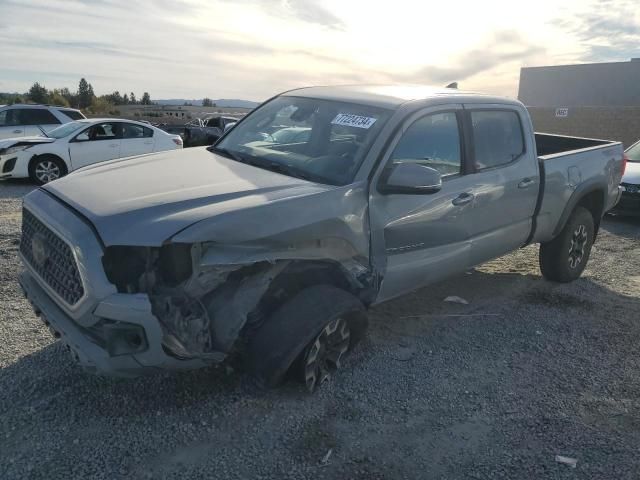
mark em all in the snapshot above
pixel 32 120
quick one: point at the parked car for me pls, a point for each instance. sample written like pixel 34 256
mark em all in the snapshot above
pixel 629 203
pixel 78 144
pixel 273 251
pixel 198 132
pixel 29 120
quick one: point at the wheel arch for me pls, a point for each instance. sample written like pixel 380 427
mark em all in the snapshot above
pixel 39 156
pixel 301 274
pixel 590 195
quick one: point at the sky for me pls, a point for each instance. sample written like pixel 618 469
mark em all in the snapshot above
pixel 253 49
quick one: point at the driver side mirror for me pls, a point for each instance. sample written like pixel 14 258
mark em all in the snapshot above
pixel 411 178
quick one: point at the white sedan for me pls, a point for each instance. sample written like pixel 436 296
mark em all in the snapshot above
pixel 78 144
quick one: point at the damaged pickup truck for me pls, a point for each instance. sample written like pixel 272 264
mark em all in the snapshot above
pixel 269 251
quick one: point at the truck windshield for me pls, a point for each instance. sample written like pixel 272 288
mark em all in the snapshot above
pixel 319 140
pixel 634 153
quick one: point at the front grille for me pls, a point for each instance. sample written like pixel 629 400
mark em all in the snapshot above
pixel 51 258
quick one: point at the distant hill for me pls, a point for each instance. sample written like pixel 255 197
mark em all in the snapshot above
pixel 222 102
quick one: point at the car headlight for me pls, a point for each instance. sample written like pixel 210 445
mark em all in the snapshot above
pixel 16 149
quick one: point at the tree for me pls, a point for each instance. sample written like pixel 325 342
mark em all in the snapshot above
pixel 85 94
pixel 68 96
pixel 99 105
pixel 114 98
pixel 132 98
pixel 146 99
pixel 207 102
pixel 38 93
pixel 56 98
pixel 125 99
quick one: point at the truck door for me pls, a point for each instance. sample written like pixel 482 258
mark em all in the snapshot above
pixel 505 176
pixel 417 239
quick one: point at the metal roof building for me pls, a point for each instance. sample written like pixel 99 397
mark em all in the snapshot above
pixel 598 100
pixel 587 85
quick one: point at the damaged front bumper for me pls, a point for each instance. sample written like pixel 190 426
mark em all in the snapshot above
pixel 107 332
pixel 127 341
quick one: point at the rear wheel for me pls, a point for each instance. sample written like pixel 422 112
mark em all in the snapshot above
pixel 46 168
pixel 565 257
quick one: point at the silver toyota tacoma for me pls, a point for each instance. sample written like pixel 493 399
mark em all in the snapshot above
pixel 268 248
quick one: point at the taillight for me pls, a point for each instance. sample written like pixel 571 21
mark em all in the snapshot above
pixel 625 159
pixel 177 141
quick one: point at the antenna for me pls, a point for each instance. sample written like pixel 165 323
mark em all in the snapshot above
pixel 452 85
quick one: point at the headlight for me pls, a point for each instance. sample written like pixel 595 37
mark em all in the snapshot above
pixel 18 148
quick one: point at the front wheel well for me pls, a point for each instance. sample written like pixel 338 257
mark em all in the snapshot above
pixel 300 275
pixel 52 156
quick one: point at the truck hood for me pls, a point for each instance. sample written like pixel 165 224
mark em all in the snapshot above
pixel 146 200
pixel 632 173
pixel 12 142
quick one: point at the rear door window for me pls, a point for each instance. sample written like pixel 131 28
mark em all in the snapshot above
pixel 37 116
pixel 73 114
pixel 131 130
pixel 497 136
pixel 214 122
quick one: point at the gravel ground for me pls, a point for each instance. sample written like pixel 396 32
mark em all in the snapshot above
pixel 494 389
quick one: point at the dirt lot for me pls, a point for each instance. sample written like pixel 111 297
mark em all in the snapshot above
pixel 494 389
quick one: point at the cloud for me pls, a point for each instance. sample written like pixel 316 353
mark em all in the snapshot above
pixel 503 47
pixel 255 48
pixel 310 11
pixel 606 30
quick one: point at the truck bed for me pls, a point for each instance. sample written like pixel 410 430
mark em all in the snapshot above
pixel 571 167
pixel 549 145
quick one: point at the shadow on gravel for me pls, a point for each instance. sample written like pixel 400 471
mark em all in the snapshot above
pixel 52 373
pixel 438 390
pixel 628 227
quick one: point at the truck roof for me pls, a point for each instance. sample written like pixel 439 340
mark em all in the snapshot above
pixel 392 96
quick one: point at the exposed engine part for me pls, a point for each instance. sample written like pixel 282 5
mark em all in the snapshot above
pixel 229 307
pixel 186 323
pixel 205 294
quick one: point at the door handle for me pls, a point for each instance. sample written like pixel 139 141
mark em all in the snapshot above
pixel 114 145
pixel 17 131
pixel 527 182
pixel 462 199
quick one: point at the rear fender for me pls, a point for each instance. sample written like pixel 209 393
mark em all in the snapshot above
pixel 590 188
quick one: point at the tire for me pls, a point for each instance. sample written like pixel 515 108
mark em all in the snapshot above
pixel 564 258
pixel 46 168
pixel 289 339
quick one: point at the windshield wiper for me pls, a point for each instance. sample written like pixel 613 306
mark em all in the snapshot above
pixel 285 169
pixel 227 153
